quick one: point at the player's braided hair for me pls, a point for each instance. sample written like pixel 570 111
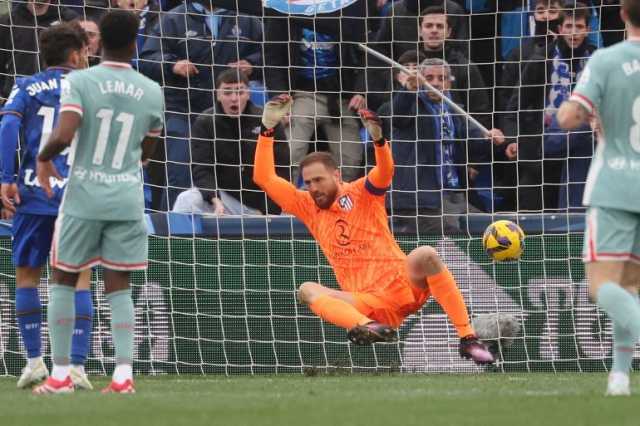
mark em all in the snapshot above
pixel 58 41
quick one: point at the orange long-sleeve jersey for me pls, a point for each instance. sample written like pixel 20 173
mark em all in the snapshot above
pixel 354 232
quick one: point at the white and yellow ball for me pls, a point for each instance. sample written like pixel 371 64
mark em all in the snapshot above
pixel 503 240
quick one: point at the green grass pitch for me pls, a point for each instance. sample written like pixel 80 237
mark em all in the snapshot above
pixel 368 400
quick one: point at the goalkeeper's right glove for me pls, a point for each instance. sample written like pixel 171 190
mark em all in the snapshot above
pixel 275 110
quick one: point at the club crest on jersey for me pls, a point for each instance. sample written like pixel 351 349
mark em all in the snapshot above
pixel 345 203
pixel 307 7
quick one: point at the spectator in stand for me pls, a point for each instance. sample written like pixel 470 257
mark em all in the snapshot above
pixel 410 59
pixel 223 147
pixel 468 87
pixel 148 11
pixel 575 148
pixel 546 20
pixel 518 23
pixel 435 157
pixel 327 82
pixel 189 47
pixel 93 34
pixel 399 32
pixel 547 81
pixel 19 30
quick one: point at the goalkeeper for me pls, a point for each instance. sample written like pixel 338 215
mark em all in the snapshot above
pixel 380 285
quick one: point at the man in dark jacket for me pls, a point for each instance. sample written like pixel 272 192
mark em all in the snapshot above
pixel 189 47
pixel 546 82
pixel 435 159
pixel 19 29
pixel 149 12
pixel 223 148
pixel 434 40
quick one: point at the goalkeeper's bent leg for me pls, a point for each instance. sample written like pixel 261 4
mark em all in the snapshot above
pixel 331 309
pixel 425 264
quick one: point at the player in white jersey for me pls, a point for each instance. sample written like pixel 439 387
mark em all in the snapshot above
pixel 608 94
pixel 116 114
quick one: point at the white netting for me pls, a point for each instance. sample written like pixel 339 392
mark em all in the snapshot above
pixel 220 292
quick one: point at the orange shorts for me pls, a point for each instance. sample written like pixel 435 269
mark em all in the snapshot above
pixel 393 303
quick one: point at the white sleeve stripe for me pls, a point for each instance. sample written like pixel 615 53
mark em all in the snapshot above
pixel 71 108
pixel 582 101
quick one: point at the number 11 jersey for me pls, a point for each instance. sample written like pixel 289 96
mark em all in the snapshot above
pixel 609 88
pixel 119 108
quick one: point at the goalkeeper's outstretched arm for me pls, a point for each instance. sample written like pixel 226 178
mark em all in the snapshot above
pixel 264 169
pixel 382 174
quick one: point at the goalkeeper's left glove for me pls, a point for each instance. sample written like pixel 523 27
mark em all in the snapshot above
pixel 275 110
pixel 372 123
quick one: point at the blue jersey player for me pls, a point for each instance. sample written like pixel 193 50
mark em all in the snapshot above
pixel 28 117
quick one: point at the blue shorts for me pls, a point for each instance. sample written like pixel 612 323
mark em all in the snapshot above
pixel 32 234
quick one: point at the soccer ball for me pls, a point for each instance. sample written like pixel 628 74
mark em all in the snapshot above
pixel 503 240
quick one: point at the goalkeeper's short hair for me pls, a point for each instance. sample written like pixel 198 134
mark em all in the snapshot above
pixel 319 157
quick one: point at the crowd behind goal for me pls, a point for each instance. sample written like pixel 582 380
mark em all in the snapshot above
pixel 508 63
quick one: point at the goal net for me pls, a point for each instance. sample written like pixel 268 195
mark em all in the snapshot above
pixel 220 292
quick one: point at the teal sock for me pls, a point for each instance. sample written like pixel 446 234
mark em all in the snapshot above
pixel 623 347
pixel 122 325
pixel 61 315
pixel 624 310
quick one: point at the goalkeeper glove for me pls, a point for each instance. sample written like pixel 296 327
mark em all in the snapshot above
pixel 372 123
pixel 275 110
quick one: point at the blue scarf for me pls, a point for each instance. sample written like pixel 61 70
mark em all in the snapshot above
pixel 562 80
pixel 141 30
pixel 445 128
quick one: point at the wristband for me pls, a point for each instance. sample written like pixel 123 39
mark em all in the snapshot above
pixel 267 132
pixel 380 142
